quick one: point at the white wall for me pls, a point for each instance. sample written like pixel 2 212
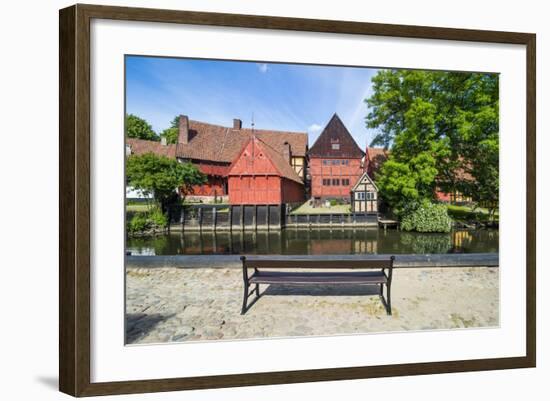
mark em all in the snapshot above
pixel 28 158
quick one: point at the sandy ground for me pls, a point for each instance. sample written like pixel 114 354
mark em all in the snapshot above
pixel 174 305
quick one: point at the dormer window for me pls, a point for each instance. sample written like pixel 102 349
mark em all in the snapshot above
pixel 335 146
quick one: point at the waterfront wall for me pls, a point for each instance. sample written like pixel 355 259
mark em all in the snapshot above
pixel 233 261
pixel 259 217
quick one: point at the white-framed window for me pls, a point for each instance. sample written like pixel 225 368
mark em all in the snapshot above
pixel 335 146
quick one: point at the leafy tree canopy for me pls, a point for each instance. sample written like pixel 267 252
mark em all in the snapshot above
pixel 162 176
pixel 441 127
pixel 137 127
pixel 171 133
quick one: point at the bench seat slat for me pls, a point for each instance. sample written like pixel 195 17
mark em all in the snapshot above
pixel 318 264
pixel 267 277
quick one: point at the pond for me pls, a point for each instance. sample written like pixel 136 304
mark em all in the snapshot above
pixel 315 242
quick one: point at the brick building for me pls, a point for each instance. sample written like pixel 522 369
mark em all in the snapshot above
pixel 335 162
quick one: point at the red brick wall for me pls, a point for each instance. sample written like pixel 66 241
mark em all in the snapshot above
pixel 319 171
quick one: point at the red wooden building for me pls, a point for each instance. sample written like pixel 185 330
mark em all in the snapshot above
pixel 335 162
pixel 260 175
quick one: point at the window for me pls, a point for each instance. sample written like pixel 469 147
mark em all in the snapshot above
pixel 335 146
pixel 336 181
pixel 370 196
pixel 360 195
pixel 326 181
pixel 336 162
pixel 345 162
pixel 326 162
pixel 345 181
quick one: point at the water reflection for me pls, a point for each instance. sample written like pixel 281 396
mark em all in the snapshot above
pixel 315 242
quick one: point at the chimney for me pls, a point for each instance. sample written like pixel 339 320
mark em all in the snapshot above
pixel 163 140
pixel 183 135
pixel 286 152
pixel 237 124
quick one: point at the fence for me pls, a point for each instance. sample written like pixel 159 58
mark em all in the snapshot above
pixel 332 220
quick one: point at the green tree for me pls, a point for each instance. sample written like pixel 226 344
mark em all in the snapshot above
pixel 171 134
pixel 161 177
pixel 137 127
pixel 442 127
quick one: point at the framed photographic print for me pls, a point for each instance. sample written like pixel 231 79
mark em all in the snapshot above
pixel 250 200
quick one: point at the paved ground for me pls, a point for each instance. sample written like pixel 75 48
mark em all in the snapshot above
pixel 170 304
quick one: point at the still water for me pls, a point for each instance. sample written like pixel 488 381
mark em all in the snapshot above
pixel 315 242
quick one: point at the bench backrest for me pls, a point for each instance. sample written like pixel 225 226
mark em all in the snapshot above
pixel 378 263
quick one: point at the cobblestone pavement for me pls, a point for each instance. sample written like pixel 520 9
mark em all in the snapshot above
pixel 173 305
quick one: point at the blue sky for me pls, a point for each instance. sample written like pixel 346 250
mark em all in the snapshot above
pixel 285 97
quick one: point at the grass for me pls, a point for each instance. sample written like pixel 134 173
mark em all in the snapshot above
pixel 466 213
pixel 306 208
pixel 138 207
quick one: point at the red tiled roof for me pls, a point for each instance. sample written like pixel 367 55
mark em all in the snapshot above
pixel 222 144
pixel 217 170
pixel 142 146
pixel 281 165
pixel 376 157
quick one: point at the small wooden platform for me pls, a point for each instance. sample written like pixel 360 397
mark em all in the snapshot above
pixel 388 223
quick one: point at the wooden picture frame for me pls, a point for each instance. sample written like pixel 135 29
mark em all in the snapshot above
pixel 74 199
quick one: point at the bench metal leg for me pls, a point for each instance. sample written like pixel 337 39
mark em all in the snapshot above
pixel 386 301
pixel 388 293
pixel 247 295
pixel 245 298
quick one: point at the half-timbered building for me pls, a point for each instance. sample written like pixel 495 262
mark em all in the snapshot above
pixel 260 175
pixel 335 162
pixel 364 195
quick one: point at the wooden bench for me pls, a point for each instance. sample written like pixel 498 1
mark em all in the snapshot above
pixel 333 276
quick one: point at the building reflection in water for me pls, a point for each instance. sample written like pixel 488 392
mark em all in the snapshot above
pixel 315 242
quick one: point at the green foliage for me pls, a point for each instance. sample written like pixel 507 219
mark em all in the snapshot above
pixel 157 218
pixel 141 222
pixel 441 126
pixel 426 243
pixel 138 223
pixel 171 135
pixel 161 176
pixel 426 217
pixel 137 127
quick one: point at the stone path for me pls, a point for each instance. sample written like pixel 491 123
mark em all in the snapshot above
pixel 170 304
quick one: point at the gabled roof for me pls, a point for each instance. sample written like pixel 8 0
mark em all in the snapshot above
pixel 363 176
pixel 142 146
pixel 336 132
pixel 222 144
pixel 375 158
pixel 277 160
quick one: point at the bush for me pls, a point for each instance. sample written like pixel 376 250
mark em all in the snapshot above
pixel 138 223
pixel 157 218
pixel 426 217
pixel 144 221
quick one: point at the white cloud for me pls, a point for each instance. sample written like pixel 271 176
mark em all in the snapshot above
pixel 263 68
pixel 314 128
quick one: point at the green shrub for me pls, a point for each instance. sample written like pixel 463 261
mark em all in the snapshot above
pixel 138 223
pixel 333 202
pixel 426 217
pixel 157 218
